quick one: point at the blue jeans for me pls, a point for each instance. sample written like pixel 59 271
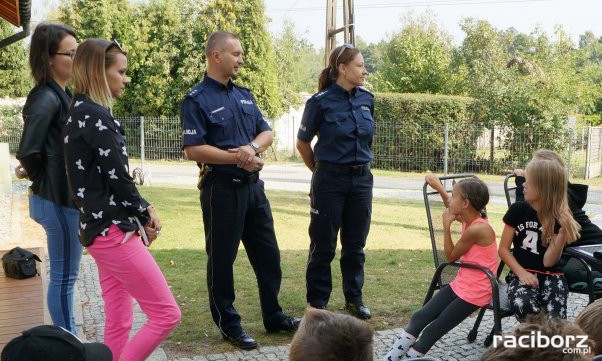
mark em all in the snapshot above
pixel 64 253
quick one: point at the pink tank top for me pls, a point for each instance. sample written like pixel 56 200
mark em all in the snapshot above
pixel 471 285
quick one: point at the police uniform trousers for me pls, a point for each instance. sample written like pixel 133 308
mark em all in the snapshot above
pixel 338 202
pixel 235 211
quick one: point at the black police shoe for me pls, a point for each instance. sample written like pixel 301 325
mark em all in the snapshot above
pixel 319 307
pixel 358 310
pixel 287 324
pixel 241 340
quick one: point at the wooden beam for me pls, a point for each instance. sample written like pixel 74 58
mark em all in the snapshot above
pixel 9 10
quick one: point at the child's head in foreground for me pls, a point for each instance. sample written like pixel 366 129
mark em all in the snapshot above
pixel 328 336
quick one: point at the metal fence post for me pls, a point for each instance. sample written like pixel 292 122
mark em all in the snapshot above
pixel 571 121
pixel 294 139
pixel 588 152
pixel 446 148
pixel 5 170
pixel 142 145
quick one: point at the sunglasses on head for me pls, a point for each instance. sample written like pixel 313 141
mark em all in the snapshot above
pixel 341 51
pixel 115 44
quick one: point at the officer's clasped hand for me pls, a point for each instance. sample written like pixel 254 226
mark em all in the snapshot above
pixel 246 158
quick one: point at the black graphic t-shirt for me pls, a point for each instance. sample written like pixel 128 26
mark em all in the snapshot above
pixel 97 169
pixel 527 247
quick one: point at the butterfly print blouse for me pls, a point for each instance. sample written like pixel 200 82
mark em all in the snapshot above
pixel 97 169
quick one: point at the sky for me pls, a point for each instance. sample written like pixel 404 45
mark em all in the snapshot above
pixel 377 19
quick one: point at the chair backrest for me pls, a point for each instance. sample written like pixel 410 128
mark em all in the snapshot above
pixel 434 209
pixel 510 188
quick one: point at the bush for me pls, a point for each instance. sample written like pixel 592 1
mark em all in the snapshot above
pixel 11 126
pixel 410 128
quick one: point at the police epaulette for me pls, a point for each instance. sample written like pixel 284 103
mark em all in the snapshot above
pixel 241 87
pixel 320 94
pixel 366 91
pixel 196 90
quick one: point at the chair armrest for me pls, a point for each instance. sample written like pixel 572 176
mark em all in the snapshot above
pixel 492 278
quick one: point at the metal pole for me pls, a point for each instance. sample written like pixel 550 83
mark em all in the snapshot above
pixel 142 146
pixel 588 151
pixel 294 139
pixel 568 163
pixel 446 148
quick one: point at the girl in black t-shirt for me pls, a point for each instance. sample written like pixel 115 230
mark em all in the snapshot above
pixel 538 229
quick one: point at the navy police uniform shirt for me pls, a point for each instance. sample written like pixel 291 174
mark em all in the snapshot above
pixel 223 116
pixel 344 125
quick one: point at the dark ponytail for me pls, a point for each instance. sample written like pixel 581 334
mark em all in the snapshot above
pixel 328 76
pixel 476 192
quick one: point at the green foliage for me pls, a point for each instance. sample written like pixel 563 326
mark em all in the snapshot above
pixel 417 59
pixel 11 125
pixel 259 72
pixel 15 80
pixel 297 63
pixel 409 117
pixel 164 40
pixel 105 19
pixel 525 83
pixel 165 61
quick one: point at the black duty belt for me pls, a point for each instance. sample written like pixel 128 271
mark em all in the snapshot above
pixel 246 179
pixel 355 170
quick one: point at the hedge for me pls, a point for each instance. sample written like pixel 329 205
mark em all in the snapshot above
pixel 409 131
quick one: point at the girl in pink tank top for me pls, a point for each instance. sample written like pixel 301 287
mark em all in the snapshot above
pixel 471 288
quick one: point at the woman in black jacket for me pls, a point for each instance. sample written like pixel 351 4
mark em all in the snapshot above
pixel 40 153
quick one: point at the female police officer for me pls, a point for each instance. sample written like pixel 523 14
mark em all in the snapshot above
pixel 340 115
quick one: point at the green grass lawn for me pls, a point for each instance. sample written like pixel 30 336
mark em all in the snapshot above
pixel 398 267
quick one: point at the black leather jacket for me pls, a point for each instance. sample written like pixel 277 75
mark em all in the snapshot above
pixel 41 147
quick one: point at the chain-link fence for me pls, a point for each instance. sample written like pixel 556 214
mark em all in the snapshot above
pixel 437 148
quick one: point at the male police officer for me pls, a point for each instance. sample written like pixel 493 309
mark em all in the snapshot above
pixel 224 132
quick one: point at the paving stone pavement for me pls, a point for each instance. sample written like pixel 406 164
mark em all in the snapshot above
pixel 452 347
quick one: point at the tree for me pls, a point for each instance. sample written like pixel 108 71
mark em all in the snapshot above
pixel 259 72
pixel 105 19
pixel 15 80
pixel 297 63
pixel 521 82
pixel 164 40
pixel 165 60
pixel 417 59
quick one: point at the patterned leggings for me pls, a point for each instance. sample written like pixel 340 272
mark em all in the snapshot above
pixel 549 297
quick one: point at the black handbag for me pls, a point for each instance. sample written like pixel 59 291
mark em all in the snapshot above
pixel 20 263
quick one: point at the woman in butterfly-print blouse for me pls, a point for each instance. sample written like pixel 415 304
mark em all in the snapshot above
pixel 112 212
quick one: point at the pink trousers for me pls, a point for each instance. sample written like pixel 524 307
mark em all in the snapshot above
pixel 128 271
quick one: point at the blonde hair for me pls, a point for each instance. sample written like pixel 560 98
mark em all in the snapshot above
pixel 546 154
pixel 328 336
pixel 92 59
pixel 590 321
pixel 549 179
